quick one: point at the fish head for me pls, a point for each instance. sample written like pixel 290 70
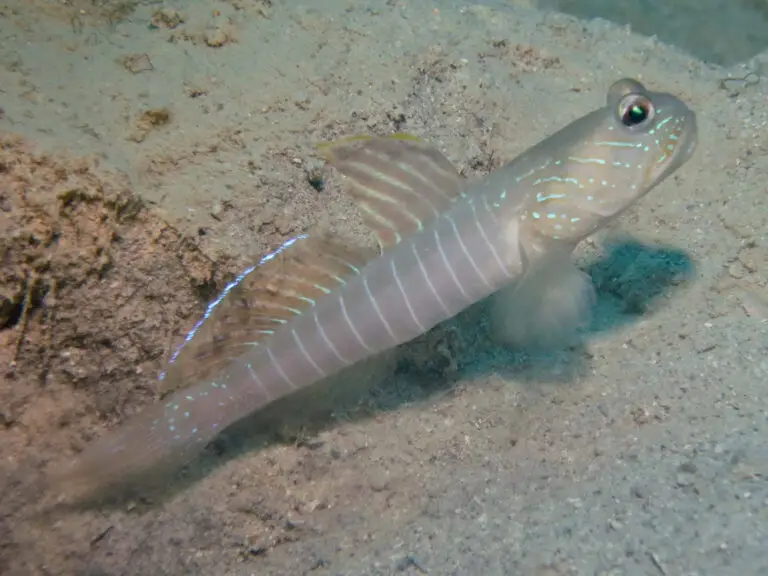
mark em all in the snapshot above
pixel 602 163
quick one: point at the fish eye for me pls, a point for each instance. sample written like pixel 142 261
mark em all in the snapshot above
pixel 634 109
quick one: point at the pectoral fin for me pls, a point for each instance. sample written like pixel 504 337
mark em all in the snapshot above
pixel 546 308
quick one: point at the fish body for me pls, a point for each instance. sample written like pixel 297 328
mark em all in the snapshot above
pixel 316 307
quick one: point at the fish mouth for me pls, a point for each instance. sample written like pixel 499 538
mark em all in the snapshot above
pixel 685 147
pixel 690 140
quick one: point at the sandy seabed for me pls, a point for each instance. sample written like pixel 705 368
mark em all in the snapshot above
pixel 149 152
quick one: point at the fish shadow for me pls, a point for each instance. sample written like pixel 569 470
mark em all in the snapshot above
pixel 635 280
pixel 632 280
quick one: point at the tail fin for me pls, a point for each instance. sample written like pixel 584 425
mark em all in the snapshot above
pixel 209 378
pixel 157 441
pixel 545 309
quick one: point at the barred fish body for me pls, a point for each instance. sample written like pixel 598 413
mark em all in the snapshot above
pixel 317 307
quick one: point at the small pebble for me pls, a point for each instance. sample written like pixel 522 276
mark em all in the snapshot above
pixel 379 484
pixel 215 38
pixel 638 492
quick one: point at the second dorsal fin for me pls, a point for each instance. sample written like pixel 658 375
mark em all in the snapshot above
pixel 284 284
pixel 399 182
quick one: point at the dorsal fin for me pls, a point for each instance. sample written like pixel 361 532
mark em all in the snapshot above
pixel 285 283
pixel 400 183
